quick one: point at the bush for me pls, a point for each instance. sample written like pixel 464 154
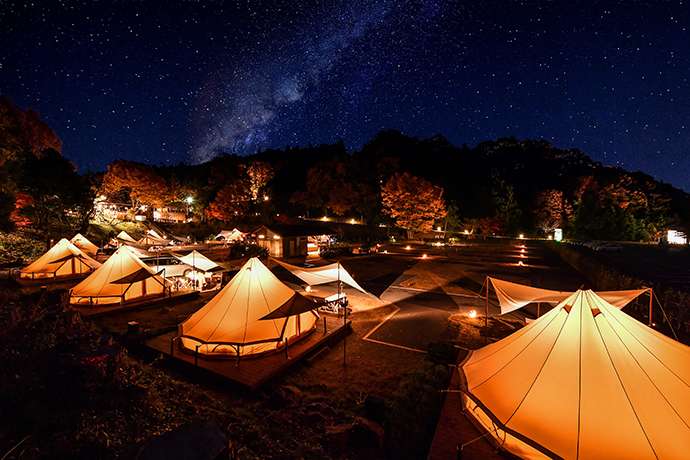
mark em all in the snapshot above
pixel 17 248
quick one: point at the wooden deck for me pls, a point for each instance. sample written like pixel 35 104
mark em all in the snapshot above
pixel 253 372
pixel 93 311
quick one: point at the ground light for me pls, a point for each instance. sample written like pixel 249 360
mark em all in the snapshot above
pixel 408 247
pixel 424 256
pixel 520 264
pixel 472 314
pixel 521 236
pixel 307 289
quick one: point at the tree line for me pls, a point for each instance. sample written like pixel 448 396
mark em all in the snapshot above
pixel 504 186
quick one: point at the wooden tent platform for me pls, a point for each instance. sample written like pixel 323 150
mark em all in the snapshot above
pixel 93 311
pixel 253 372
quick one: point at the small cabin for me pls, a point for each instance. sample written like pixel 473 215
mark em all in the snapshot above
pixel 283 240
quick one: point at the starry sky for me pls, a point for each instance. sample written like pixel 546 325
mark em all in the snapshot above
pixel 181 81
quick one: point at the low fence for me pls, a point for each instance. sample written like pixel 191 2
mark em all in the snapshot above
pixel 676 301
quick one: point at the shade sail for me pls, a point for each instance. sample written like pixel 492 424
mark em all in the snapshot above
pixel 512 296
pixel 231 322
pixel 121 278
pixel 62 260
pixel 84 244
pixel 321 275
pixel 199 262
pixel 583 381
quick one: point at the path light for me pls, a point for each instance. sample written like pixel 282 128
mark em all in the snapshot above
pixel 424 256
pixel 522 250
pixel 408 247
pixel 307 289
pixel 353 221
pixel 385 251
pixel 521 236
pixel 438 229
pixel 520 264
pixel 466 232
pixel 472 314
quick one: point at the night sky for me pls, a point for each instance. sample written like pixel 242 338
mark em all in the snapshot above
pixel 182 81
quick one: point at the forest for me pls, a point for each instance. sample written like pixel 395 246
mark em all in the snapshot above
pixel 501 187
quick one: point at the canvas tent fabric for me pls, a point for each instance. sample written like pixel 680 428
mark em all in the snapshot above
pixel 199 262
pixel 231 323
pixel 64 259
pixel 148 240
pixel 122 278
pixel 124 236
pixel 230 235
pixel 512 296
pixel 84 244
pixel 321 275
pixel 583 381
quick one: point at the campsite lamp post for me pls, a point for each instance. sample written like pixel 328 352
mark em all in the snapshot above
pixel 189 200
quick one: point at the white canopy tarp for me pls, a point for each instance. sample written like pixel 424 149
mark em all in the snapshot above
pixel 230 235
pixel 585 380
pixel 198 261
pixel 321 275
pixel 512 296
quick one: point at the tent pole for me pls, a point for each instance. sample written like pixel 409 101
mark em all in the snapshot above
pixel 486 315
pixel 651 299
pixel 538 309
pixel 340 302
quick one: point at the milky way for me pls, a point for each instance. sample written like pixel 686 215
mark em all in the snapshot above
pixel 187 80
pixel 237 113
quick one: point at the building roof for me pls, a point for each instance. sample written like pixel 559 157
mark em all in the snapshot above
pixel 302 229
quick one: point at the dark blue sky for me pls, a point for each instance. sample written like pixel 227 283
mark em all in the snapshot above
pixel 180 81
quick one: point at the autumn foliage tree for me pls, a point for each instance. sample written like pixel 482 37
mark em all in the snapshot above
pixel 331 187
pixel 231 202
pixel 552 210
pixel 259 173
pixel 141 183
pixel 413 202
